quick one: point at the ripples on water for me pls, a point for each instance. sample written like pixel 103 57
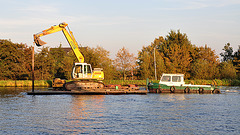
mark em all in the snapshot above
pixel 120 114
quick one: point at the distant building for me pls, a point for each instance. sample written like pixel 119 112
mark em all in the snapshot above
pixel 65 49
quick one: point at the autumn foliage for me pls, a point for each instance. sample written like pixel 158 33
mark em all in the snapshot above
pixel 173 54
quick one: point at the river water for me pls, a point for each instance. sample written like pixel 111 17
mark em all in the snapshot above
pixel 120 114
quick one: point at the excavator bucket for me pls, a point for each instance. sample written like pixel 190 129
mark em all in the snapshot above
pixel 38 41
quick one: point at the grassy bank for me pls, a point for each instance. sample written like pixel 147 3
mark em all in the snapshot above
pixel 223 82
pixel 25 83
pixel 48 83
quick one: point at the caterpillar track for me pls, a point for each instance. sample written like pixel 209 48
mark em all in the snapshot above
pixel 83 85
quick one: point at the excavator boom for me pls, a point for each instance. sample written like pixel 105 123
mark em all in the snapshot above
pixel 51 30
pixel 68 34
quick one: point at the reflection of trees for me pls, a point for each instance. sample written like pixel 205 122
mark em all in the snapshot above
pixel 84 111
pixel 176 97
pixel 7 92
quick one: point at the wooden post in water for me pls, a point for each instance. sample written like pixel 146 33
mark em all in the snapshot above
pixel 32 69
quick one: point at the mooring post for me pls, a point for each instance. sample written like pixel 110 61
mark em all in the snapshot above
pixel 32 69
pixel 147 82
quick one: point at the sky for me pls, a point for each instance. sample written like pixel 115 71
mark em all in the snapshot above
pixel 113 24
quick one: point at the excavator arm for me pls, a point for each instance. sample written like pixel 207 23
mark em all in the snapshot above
pixel 67 33
pixel 80 70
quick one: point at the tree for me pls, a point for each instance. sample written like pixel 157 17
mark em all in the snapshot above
pixel 44 65
pixel 14 60
pixel 99 58
pixel 57 55
pixel 176 54
pixel 124 61
pixel 146 60
pixel 205 64
pixel 67 64
pixel 176 51
pixel 105 62
pixel 203 69
pixel 145 64
pixel 227 70
pixel 199 69
pixel 228 53
pixel 236 60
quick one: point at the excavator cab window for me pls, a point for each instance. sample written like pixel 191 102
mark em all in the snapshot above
pixel 87 69
pixel 78 72
pixel 78 69
pixel 82 70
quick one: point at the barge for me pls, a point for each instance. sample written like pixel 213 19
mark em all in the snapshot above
pixel 174 83
pixel 107 90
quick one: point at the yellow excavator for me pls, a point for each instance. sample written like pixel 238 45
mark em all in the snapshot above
pixel 82 74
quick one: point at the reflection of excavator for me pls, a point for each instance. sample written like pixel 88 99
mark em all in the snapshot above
pixel 81 71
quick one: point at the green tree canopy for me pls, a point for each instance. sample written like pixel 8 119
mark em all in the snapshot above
pixel 236 60
pixel 205 64
pixel 227 70
pixel 228 53
pixel 146 60
pixel 176 54
pixel 15 60
pixel 176 51
pixel 44 65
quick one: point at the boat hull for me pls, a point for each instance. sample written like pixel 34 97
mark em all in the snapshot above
pixel 201 89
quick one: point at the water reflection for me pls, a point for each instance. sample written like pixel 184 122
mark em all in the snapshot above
pixel 6 92
pixel 119 114
pixel 226 89
pixel 10 91
pixel 176 97
pixel 83 112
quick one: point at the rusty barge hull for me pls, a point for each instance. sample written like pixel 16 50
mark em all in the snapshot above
pixel 89 92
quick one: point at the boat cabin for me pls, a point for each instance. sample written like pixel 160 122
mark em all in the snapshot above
pixel 172 79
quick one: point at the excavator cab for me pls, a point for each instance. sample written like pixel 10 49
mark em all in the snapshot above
pixel 82 71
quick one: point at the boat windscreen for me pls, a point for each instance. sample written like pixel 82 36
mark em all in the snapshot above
pixel 176 78
pixel 166 79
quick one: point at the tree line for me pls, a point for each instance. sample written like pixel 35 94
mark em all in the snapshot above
pixel 172 54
